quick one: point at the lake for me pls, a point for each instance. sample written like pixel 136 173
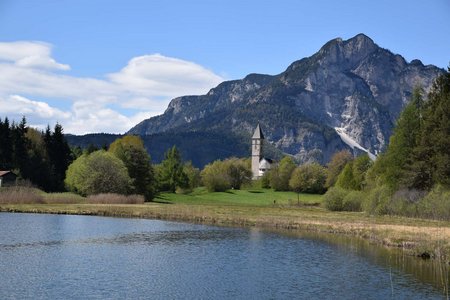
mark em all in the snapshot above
pixel 89 257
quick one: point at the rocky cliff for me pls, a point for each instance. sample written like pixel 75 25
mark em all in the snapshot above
pixel 348 94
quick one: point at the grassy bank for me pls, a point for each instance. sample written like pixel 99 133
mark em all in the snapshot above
pixel 267 209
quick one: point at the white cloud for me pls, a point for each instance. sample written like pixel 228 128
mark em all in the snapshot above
pixel 37 112
pixel 145 86
pixel 156 74
pixel 30 54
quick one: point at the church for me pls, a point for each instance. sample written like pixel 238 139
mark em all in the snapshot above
pixel 260 164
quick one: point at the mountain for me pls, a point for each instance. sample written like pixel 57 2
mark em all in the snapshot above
pixel 348 94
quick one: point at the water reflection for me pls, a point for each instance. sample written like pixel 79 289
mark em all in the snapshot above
pixel 434 272
pixel 48 256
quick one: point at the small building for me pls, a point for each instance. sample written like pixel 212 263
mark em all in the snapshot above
pixel 265 164
pixel 7 178
pixel 260 164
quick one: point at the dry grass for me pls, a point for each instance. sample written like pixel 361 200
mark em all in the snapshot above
pixel 115 199
pixel 20 195
pixel 63 198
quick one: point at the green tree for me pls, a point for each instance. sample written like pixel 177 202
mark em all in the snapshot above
pixel 280 175
pixel 38 168
pixel 399 154
pixel 215 177
pixel 170 172
pixel 59 155
pixel 20 145
pixel 361 165
pixel 223 175
pixel 131 150
pixel 308 178
pixel 193 175
pixel 6 147
pixel 431 160
pixel 98 172
pixel 336 165
pixel 238 171
pixel 353 176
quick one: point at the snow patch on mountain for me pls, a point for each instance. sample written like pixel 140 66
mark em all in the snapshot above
pixel 351 142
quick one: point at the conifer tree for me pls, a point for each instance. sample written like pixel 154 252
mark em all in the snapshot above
pixel 59 155
pixel 6 147
pixel 399 154
pixel 170 171
pixel 431 164
pixel 20 145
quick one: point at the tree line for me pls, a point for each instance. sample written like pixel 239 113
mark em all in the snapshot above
pixel 41 157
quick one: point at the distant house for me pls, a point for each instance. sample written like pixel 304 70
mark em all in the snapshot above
pixel 7 178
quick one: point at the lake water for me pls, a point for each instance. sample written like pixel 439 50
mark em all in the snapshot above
pixel 85 257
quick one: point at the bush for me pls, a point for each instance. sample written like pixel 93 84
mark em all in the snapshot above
pixel 377 200
pixel 265 180
pixel 334 199
pixel 353 201
pixel 436 204
pixel 115 199
pixel 404 202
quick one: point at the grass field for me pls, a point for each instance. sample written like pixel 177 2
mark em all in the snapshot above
pixel 250 197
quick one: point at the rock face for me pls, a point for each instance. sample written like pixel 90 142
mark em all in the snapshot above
pixel 348 94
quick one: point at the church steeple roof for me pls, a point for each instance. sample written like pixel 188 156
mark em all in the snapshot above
pixel 258 133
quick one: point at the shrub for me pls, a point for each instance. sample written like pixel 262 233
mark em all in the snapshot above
pixel 334 199
pixel 265 180
pixel 436 204
pixel 404 203
pixel 377 200
pixel 115 199
pixel 353 201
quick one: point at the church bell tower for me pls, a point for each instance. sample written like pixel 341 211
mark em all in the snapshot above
pixel 257 145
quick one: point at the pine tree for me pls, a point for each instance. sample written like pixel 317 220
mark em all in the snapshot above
pixel 59 154
pixel 6 147
pixel 170 171
pixel 399 155
pixel 431 163
pixel 20 145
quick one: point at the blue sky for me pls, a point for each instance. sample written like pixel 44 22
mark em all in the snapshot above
pixel 103 66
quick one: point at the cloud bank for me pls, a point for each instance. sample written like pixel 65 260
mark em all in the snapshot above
pixel 34 84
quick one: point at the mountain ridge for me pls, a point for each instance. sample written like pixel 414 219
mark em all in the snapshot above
pixel 352 87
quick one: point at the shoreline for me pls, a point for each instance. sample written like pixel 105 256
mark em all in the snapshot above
pixel 416 237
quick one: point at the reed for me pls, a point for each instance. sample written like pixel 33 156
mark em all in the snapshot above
pixel 20 195
pixel 115 199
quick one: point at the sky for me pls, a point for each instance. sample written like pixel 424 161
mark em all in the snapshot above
pixel 106 65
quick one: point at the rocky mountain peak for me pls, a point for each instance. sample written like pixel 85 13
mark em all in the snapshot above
pixel 348 94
